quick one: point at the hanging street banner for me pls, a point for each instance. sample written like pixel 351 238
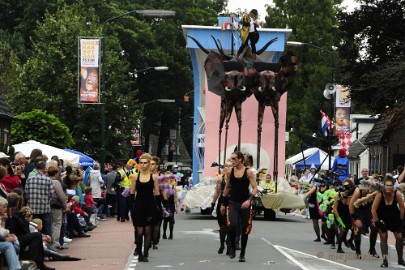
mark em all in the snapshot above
pixel 89 70
pixel 342 116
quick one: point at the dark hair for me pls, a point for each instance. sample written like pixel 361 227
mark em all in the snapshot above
pixel 88 190
pixel 15 200
pixel 4 161
pixel 3 172
pixel 69 169
pixel 239 155
pixel 35 153
pixel 156 159
pixel 19 191
pixel 56 158
pixel 40 165
pixel 400 169
pixel 254 12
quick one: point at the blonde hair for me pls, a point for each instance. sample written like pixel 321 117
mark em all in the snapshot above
pixel 3 201
pixel 348 180
pixel 37 221
pixel 76 199
pixel 146 156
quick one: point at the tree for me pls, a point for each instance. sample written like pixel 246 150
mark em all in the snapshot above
pixel 47 76
pixel 39 125
pixel 314 22
pixel 372 45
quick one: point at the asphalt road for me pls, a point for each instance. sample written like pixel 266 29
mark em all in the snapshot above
pixel 286 243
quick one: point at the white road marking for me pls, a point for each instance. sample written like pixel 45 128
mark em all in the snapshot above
pixel 307 261
pixel 202 232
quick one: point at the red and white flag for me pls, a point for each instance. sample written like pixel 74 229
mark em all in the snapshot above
pixel 346 140
pixel 325 124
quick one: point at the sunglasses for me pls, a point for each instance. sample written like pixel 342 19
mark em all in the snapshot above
pixel 143 163
pixel 233 158
pixel 389 186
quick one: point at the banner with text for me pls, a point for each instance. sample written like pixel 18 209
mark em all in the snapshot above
pixel 89 70
pixel 342 116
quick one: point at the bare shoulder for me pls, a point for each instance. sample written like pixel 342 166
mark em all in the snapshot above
pixel 249 172
pixel 356 192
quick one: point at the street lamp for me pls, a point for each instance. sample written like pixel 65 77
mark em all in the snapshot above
pixel 103 98
pixel 135 73
pixel 186 97
pixel 332 67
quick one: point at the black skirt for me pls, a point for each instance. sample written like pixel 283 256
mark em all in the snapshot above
pixel 146 212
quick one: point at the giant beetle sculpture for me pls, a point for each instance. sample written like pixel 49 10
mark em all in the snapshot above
pixel 235 86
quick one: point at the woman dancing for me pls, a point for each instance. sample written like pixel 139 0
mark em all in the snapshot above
pixel 145 186
pixel 341 211
pixel 169 196
pixel 315 213
pixel 388 214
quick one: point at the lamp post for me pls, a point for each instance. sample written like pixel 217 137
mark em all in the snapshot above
pixel 332 67
pixel 103 98
pixel 135 73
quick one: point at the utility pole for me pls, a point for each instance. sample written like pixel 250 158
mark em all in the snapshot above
pixel 177 137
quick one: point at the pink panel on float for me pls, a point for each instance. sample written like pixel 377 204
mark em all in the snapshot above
pixel 248 133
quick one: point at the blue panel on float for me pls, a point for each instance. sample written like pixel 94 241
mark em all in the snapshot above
pixel 204 37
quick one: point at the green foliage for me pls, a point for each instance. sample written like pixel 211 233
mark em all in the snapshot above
pixel 41 71
pixel 311 22
pixel 42 127
pixel 373 48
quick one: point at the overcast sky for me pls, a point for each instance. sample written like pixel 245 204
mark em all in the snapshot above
pixel 233 5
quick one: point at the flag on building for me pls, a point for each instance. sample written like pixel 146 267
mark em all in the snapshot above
pixel 325 124
pixel 346 140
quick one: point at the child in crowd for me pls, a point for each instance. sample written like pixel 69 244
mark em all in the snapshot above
pixel 36 226
pixel 75 204
pixel 89 203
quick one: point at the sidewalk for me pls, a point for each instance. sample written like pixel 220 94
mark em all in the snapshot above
pixel 109 247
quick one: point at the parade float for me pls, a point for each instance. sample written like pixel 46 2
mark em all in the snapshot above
pixel 224 83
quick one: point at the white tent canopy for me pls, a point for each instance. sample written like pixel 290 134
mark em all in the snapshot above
pixel 307 154
pixel 49 151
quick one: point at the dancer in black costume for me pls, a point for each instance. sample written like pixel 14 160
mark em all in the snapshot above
pixel 361 220
pixel 170 203
pixel 342 213
pixel 239 208
pixel 388 214
pixel 145 186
